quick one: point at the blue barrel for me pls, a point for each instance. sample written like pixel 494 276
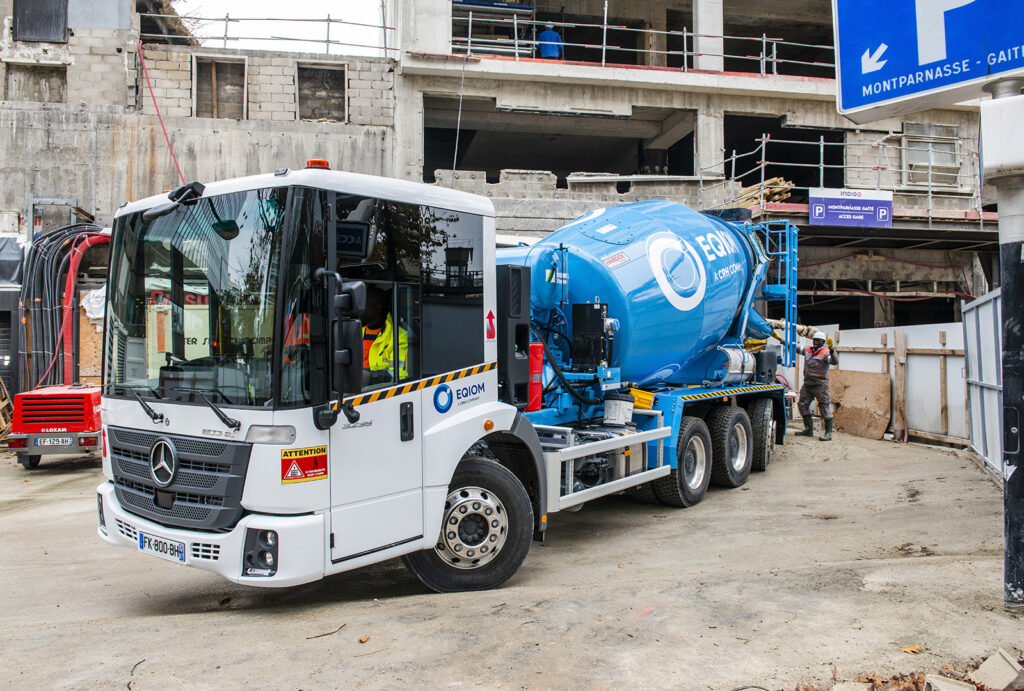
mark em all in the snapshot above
pixel 674 279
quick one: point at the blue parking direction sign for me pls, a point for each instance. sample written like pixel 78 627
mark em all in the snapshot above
pixel 845 207
pixel 900 56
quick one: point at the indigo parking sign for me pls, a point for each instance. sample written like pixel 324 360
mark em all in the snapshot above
pixel 842 207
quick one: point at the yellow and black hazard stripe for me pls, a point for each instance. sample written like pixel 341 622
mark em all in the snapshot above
pixel 409 387
pixel 725 393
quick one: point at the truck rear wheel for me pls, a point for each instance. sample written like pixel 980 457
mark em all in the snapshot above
pixel 762 424
pixel 731 440
pixel 486 531
pixel 29 461
pixel 688 482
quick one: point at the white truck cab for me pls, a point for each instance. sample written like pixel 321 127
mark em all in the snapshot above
pixel 229 349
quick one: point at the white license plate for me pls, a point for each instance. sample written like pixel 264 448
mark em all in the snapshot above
pixel 171 550
pixel 55 441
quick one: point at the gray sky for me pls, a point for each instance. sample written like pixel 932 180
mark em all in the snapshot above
pixel 358 11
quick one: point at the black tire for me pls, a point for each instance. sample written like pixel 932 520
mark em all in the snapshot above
pixel 643 493
pixel 688 482
pixel 478 486
pixel 762 424
pixel 731 441
pixel 30 462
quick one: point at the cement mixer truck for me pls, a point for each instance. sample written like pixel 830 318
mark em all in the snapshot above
pixel 310 371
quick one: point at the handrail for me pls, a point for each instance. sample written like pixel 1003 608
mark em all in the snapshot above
pixel 961 181
pixel 522 41
pixel 227 20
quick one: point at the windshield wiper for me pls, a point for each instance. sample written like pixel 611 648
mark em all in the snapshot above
pixel 153 415
pixel 229 422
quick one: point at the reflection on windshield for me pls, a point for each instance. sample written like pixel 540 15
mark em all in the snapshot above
pixel 192 300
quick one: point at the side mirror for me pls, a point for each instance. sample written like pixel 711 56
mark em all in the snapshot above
pixel 351 299
pixel 347 359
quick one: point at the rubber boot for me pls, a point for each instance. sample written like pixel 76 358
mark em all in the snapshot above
pixel 808 430
pixel 828 431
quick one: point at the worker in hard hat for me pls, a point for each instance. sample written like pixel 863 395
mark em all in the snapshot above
pixel 817 359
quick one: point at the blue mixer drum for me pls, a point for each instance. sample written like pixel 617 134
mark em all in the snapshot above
pixel 674 279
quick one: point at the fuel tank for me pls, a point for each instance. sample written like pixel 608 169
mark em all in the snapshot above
pixel 675 280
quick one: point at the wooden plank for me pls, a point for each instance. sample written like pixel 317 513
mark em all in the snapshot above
pixel 885 355
pixel 910 351
pixel 943 394
pixel 899 380
pixel 213 85
pixel 946 439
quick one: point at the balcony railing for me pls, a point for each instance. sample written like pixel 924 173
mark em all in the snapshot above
pixel 938 178
pixel 283 33
pixel 480 34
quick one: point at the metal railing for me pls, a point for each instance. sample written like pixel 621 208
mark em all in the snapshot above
pixel 520 40
pixel 202 29
pixel 747 176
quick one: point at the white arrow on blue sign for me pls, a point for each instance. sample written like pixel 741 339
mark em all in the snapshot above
pixel 899 56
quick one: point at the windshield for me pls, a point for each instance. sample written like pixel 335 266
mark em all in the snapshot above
pixel 192 297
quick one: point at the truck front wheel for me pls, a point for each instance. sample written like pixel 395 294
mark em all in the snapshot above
pixel 688 482
pixel 486 530
pixel 732 441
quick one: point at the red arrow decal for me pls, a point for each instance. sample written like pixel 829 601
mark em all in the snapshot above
pixel 491 330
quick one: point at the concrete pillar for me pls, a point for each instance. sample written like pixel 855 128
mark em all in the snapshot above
pixel 885 312
pixel 710 139
pixel 424 26
pixel 708 26
pixel 656 21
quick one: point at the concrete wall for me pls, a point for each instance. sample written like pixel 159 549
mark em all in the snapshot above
pixel 104 155
pixel 271 88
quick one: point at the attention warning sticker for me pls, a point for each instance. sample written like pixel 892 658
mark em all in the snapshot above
pixel 303 465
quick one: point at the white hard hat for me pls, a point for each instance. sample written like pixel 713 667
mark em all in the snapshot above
pixel 818 336
pixel 549 26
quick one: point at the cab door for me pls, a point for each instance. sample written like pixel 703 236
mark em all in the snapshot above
pixel 376 462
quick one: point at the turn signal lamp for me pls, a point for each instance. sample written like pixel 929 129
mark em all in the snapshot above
pixel 488 425
pixel 318 163
pixel 89 441
pixel 15 443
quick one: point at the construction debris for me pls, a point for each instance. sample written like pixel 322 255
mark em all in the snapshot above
pixel 933 682
pixel 775 190
pixel 999 672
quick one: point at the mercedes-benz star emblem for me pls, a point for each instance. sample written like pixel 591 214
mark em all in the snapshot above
pixel 162 463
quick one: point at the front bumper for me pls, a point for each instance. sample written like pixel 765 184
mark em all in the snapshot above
pixel 302 544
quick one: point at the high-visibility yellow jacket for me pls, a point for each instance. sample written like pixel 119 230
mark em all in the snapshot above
pixel 382 351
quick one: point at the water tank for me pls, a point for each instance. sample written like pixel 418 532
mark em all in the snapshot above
pixel 674 279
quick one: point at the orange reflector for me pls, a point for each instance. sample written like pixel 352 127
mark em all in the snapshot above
pixel 488 425
pixel 544 518
pixel 318 163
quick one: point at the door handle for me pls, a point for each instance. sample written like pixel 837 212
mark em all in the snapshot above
pixel 406 421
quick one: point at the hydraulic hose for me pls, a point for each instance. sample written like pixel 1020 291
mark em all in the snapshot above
pixel 558 371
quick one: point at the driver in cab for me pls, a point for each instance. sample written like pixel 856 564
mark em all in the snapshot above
pixel 379 340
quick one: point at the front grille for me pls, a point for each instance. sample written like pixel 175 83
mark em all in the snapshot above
pixel 127 530
pixel 52 409
pixel 205 493
pixel 205 550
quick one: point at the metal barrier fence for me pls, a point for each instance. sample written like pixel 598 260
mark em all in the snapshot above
pixel 199 26
pixel 910 168
pixel 982 320
pixel 520 40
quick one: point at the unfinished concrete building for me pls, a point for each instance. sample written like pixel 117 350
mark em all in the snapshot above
pixel 713 103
